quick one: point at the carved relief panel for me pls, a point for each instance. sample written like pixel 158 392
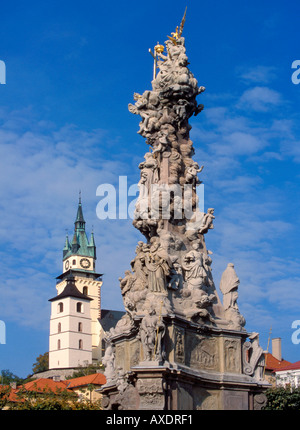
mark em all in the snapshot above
pixel 151 393
pixel 120 356
pixel 202 352
pixel 232 356
pixel 179 345
pixel 134 353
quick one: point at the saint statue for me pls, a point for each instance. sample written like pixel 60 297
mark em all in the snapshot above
pixel 195 274
pixel 229 287
pixel 151 333
pixel 157 264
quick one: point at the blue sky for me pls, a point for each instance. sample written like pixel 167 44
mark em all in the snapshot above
pixel 71 70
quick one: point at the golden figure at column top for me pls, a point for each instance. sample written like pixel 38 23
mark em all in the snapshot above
pixel 178 31
pixel 158 49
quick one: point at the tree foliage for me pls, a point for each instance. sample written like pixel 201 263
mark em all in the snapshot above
pixel 7 377
pixel 49 400
pixel 41 364
pixel 283 399
pixel 87 370
pixel 4 395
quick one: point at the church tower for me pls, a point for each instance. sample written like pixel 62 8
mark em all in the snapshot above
pixel 79 260
pixel 70 343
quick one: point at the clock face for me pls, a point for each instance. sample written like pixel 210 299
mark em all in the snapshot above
pixel 85 263
pixel 67 264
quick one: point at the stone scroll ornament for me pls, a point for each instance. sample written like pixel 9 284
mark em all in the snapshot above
pixel 253 358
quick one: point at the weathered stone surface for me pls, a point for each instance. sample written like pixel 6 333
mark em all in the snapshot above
pixel 202 352
pixel 178 346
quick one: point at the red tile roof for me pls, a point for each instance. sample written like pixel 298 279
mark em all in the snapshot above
pixel 13 397
pixel 291 366
pixel 42 385
pixel 273 363
pixel 9 393
pixel 95 379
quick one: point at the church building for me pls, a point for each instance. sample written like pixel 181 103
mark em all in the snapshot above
pixel 75 327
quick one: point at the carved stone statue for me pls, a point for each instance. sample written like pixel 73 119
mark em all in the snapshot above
pixel 170 334
pixel 151 334
pixel 191 174
pixel 109 362
pixel 126 282
pixel 207 222
pixel 195 274
pixel 176 280
pixel 149 174
pixel 158 268
pixel 229 287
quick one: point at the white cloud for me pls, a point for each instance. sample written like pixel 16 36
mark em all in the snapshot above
pixel 251 229
pixel 240 143
pixel 260 99
pixel 291 148
pixel 44 167
pixel 257 74
pixel 239 184
pixel 42 171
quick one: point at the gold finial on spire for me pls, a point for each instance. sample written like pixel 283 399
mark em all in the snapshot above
pixel 158 50
pixel 178 31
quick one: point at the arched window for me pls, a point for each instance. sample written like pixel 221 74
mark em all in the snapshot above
pixel 80 344
pixel 58 344
pixel 60 307
pixel 79 307
pixel 59 328
pixel 80 326
pixel 74 262
pixel 85 290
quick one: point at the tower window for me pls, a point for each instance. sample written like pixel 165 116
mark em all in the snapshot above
pixel 85 290
pixel 79 307
pixel 79 326
pixel 58 344
pixel 60 307
pixel 80 344
pixel 59 328
pixel 74 262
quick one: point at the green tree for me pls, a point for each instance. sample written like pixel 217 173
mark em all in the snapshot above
pixel 7 377
pixel 42 363
pixel 88 370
